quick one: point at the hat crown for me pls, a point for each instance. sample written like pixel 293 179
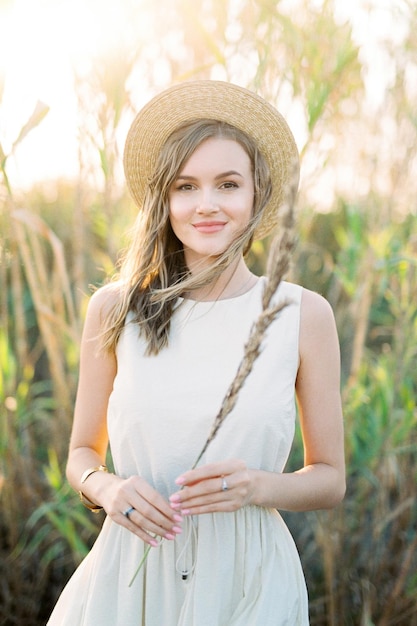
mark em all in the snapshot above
pixel 216 100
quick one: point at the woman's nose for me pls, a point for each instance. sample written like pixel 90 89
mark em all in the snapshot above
pixel 207 203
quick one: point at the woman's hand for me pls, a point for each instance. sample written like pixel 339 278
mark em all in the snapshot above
pixel 134 504
pixel 217 487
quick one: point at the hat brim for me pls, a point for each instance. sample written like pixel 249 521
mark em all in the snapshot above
pixel 216 100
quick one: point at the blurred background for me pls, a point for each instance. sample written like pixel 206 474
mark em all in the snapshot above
pixel 344 74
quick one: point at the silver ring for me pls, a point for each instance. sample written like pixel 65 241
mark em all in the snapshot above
pixel 128 511
pixel 224 484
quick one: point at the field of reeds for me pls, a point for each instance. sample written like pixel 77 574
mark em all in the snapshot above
pixel 357 245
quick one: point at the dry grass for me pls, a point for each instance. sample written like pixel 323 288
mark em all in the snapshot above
pixel 361 558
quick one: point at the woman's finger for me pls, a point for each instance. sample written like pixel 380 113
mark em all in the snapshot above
pixel 227 492
pixel 146 516
pixel 141 509
pixel 211 470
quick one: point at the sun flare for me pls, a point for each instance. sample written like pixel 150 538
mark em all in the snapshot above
pixel 43 45
pixel 46 44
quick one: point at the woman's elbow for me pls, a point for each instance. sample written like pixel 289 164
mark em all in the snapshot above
pixel 337 494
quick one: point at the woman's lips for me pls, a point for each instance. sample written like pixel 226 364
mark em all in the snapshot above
pixel 209 227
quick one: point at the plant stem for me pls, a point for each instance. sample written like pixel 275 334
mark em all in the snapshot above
pixel 142 561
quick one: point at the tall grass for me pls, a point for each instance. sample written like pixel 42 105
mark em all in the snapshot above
pixel 360 560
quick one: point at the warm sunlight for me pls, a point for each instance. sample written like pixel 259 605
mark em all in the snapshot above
pixel 42 44
pixel 45 44
pixel 82 215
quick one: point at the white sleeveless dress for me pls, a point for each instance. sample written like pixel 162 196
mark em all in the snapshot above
pixel 243 567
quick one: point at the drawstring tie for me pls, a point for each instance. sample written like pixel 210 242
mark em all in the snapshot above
pixel 185 562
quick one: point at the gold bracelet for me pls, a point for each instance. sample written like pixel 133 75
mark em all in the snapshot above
pixel 95 508
pixel 91 470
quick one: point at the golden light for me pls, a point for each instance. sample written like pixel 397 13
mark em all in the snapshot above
pixel 43 43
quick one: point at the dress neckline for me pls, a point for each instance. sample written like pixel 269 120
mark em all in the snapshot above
pixel 259 281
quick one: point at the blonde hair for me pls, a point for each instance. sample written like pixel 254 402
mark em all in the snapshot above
pixel 153 272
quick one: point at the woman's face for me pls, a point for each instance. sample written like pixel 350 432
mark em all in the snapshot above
pixel 211 201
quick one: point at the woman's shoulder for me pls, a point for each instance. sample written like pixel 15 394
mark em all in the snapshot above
pixel 105 298
pixel 316 313
pixel 314 305
pixel 317 321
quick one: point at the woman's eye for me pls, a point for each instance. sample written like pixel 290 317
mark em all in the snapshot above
pixel 229 185
pixel 185 187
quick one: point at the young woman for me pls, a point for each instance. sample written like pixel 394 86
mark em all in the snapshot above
pixel 207 163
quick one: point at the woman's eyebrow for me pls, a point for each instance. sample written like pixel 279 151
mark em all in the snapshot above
pixel 222 175
pixel 229 173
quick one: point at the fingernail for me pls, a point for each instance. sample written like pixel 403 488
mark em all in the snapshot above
pixel 185 511
pixel 180 480
pixel 177 518
pixel 154 543
pixel 177 529
pixel 169 536
pixel 175 497
pixel 175 505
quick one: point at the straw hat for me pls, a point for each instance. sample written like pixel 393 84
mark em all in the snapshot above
pixel 221 101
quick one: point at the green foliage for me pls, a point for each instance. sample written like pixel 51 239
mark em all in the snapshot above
pixel 59 526
pixel 360 559
pixel 368 545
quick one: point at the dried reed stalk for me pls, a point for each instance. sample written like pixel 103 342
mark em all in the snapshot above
pixel 277 266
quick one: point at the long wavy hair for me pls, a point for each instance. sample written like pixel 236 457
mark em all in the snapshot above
pixel 153 272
